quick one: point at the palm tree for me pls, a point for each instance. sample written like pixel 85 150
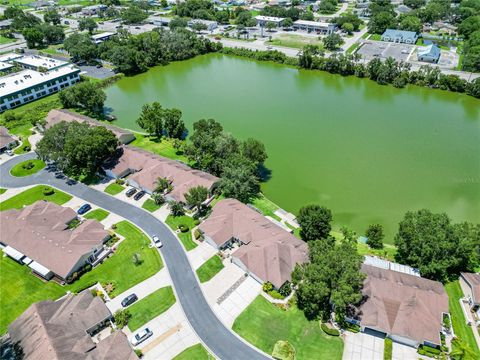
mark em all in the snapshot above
pixel 162 185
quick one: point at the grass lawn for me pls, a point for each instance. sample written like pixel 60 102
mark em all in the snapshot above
pixel 195 352
pixel 210 268
pixel 186 237
pixel 114 189
pixel 150 307
pixel 97 214
pixel 150 205
pixel 295 41
pixel 265 206
pixel 6 40
pixel 163 147
pixel 352 48
pixel 24 146
pixel 461 329
pixel 19 289
pixel 263 324
pixel 376 37
pixel 388 251
pixel 32 195
pixel 21 169
pixel 120 269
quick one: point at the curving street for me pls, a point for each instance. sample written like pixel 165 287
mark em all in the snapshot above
pixel 219 339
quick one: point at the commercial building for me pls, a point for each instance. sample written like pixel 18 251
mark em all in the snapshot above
pixel 41 76
pixel 470 283
pixel 144 168
pixel 264 20
pixel 211 25
pixel 406 308
pixel 265 251
pixel 400 36
pixel 94 9
pixel 430 53
pixel 104 36
pixel 63 329
pixel 41 237
pixel 7 141
pixel 315 26
pixel 56 116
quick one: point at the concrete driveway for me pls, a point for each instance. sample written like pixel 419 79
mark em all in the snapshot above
pixel 360 346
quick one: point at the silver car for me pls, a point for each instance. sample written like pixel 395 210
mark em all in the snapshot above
pixel 157 241
pixel 141 336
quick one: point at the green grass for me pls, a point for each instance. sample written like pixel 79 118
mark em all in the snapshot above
pixel 120 269
pixel 387 350
pixel 295 41
pixel 376 37
pixel 24 146
pixel 265 206
pixel 185 238
pixel 352 48
pixel 163 147
pixel 195 352
pixel 19 170
pixel 19 289
pixel 6 40
pixel 150 307
pixel 388 252
pixel 460 327
pixel 150 205
pixel 32 195
pixel 2 191
pixel 365 36
pixel 114 189
pixel 263 324
pixel 97 214
pixel 210 268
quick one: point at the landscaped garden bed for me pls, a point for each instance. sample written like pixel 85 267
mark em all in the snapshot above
pixel 27 168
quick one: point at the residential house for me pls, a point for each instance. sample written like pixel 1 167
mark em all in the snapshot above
pixel 144 168
pixel 63 329
pixel 470 283
pixel 7 141
pixel 265 251
pixel 42 237
pixel 400 36
pixel 406 308
pixel 430 53
pixel 56 116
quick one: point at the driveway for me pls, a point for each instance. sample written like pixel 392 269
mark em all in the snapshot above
pixel 220 340
pixel 361 346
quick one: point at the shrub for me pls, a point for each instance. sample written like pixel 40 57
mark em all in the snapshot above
pixel 28 165
pixel 122 317
pixel 88 267
pixel 352 327
pixel 197 234
pixel 267 287
pixel 428 351
pixel 329 331
pixel 285 289
pixel 276 295
pixel 196 222
pixel 183 228
pixel 119 181
pixel 47 191
pixel 138 352
pixel 27 148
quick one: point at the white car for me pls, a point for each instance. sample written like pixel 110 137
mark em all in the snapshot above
pixel 141 336
pixel 9 152
pixel 157 241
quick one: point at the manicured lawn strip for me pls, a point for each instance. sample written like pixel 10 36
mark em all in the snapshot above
pixel 19 170
pixel 163 147
pixel 210 268
pixel 5 40
pixel 120 269
pixel 97 214
pixel 185 238
pixel 388 251
pixel 195 352
pixel 150 205
pixel 2 191
pixel 376 37
pixel 23 147
pixel 460 327
pixel 114 189
pixel 263 324
pixel 265 206
pixel 387 350
pixel 19 289
pixel 150 307
pixel 32 195
pixel 352 48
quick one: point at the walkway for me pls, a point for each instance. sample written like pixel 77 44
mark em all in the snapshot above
pixel 220 340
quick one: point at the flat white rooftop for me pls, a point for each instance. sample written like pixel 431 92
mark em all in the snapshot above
pixel 9 56
pixel 269 18
pixel 41 61
pixel 5 66
pixel 102 35
pixel 312 23
pixel 27 78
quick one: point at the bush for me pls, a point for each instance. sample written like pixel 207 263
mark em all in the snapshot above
pixel 196 222
pixel 276 295
pixel 429 351
pixel 197 234
pixel 26 148
pixel 387 350
pixel 121 318
pixel 138 352
pixel 28 165
pixel 183 228
pixel 285 289
pixel 88 268
pixel 267 287
pixel 48 191
pixel 329 331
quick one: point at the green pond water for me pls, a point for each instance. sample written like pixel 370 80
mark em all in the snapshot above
pixel 368 152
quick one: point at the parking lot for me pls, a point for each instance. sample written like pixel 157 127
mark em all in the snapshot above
pixel 383 50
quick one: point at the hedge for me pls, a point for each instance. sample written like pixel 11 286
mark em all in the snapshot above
pixel 329 331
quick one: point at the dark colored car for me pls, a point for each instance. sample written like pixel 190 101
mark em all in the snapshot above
pixel 130 192
pixel 59 175
pixel 71 182
pixel 83 209
pixel 139 195
pixel 129 300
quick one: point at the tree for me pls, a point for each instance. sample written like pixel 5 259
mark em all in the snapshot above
pixel 239 179
pixel 85 95
pixel 176 208
pixel 461 350
pixel 122 317
pixel 81 48
pixel 414 4
pixel 77 148
pixel 52 16
pixel 332 41
pixel 177 22
pixel 254 150
pixel 133 15
pixel 33 37
pixel 199 26
pixel 158 198
pixel 410 23
pixel 287 23
pixel 52 34
pixel 88 24
pixel 162 184
pixel 174 126
pixel 375 236
pixel 151 119
pixel 469 26
pixel 440 249
pixel 196 196
pixel 203 142
pixel 270 26
pixel 348 18
pixel 315 222
pixel 348 28
pixel 332 278
pixel 381 22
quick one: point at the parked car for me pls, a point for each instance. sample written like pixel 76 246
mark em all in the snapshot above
pixel 83 209
pixel 141 336
pixel 129 300
pixel 130 192
pixel 71 182
pixel 139 195
pixel 59 175
pixel 157 241
pixel 9 152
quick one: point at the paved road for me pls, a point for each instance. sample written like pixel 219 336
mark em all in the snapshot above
pixel 221 341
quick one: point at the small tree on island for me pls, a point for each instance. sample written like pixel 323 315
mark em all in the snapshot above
pixel 375 236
